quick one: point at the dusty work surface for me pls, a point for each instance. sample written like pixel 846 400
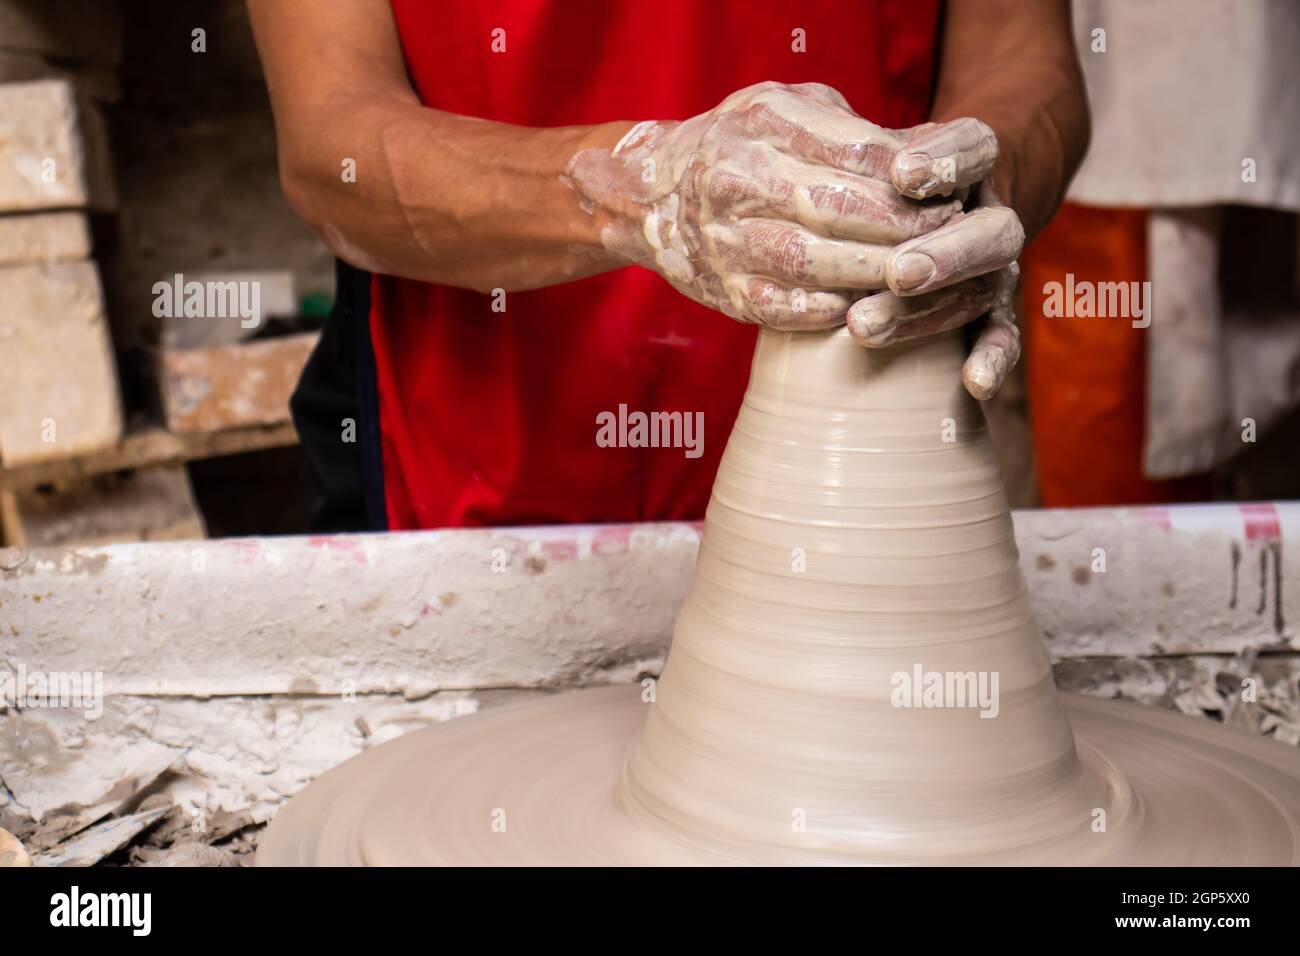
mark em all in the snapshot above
pixel 220 768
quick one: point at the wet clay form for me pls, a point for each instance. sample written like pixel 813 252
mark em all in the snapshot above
pixel 855 678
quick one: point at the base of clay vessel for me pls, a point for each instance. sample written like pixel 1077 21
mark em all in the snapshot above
pixel 539 784
pixel 858 531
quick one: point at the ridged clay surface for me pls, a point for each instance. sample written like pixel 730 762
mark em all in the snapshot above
pixel 858 531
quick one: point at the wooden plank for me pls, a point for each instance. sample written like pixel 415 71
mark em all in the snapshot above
pixel 150 446
pixel 233 386
pixel 148 504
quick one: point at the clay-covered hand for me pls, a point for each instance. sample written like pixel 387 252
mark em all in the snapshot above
pixel 782 206
pixel 961 271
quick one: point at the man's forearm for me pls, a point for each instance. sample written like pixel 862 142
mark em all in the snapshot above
pixel 1015 69
pixel 398 188
pixel 446 198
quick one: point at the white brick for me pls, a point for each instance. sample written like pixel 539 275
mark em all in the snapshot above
pixel 43 237
pixel 39 140
pixel 58 364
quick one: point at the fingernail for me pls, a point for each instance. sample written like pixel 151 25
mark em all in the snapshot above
pixel 875 321
pixel 984 373
pixel 981 382
pixel 913 270
pixel 914 171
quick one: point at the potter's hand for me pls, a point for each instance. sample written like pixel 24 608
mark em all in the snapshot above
pixel 781 206
pixel 961 271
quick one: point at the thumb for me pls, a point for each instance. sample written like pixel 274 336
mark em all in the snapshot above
pixel 607 181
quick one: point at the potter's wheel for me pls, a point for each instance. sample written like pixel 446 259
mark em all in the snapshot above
pixel 1180 791
pixel 858 533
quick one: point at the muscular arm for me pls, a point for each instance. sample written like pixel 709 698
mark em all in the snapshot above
pixel 1012 64
pixel 437 197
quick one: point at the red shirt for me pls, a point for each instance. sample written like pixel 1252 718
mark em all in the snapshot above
pixel 491 418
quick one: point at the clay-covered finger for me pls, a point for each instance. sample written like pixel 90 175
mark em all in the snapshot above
pixel 996 351
pixel 827 201
pixel 943 158
pixel 881 320
pixel 997 348
pixel 819 131
pixel 779 306
pixel 969 245
pixel 823 92
pixel 790 253
pixel 849 206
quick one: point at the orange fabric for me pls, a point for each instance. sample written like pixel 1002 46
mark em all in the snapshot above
pixel 1087 375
